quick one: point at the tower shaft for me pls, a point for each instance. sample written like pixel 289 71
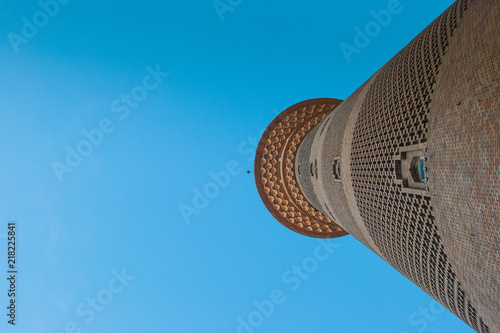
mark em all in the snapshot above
pixel 436 100
pixel 409 164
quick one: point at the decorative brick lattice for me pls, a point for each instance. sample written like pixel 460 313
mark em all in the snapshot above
pixel 395 115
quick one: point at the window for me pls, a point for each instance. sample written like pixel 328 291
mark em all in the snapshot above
pixel 420 169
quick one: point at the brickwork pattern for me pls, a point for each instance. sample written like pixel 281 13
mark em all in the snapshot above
pixel 324 170
pixel 395 114
pixel 307 169
pixel 326 190
pixel 275 173
pixel 464 175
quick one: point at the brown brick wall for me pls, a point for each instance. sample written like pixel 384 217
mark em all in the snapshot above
pixel 438 98
pixel 464 158
pixel 400 218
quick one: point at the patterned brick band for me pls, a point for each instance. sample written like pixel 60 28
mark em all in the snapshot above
pixel 275 173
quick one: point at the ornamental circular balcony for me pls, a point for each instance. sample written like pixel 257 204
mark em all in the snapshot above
pixel 275 173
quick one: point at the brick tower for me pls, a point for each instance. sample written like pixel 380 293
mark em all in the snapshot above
pixel 409 164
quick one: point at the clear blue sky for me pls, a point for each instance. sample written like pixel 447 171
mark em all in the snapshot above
pixel 81 222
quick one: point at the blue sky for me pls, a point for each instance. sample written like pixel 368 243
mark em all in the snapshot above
pixel 102 244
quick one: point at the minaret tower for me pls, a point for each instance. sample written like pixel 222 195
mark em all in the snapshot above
pixel 409 164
